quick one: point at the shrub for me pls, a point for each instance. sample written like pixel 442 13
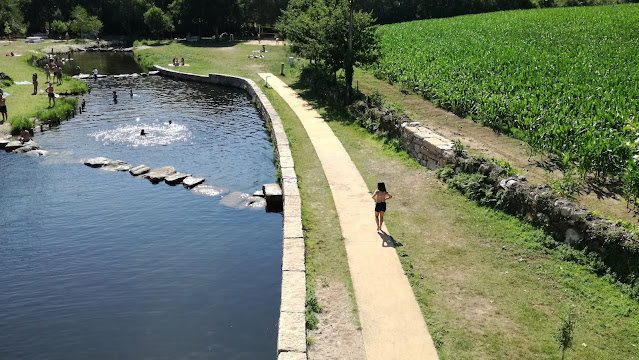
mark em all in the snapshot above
pixel 18 123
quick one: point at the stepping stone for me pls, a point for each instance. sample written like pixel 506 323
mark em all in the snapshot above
pixel 26 148
pixel 139 170
pixel 97 162
pixel 117 165
pixel 255 202
pixel 155 72
pixel 3 143
pixel 273 196
pixel 235 200
pixel 191 181
pixel 12 145
pixel 259 193
pixel 157 175
pixel 175 178
pixel 209 190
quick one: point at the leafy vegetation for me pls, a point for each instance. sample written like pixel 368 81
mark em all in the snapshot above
pixel 562 79
pixel 18 123
pixel 157 21
pixel 318 30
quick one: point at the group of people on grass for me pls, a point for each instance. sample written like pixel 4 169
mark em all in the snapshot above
pixel 57 72
pixel 177 62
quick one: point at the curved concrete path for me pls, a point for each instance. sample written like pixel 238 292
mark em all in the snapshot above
pixel 392 324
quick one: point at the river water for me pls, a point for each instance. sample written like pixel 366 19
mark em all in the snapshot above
pixel 104 265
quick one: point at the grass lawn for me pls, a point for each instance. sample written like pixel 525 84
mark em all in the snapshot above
pixel 214 57
pixel 487 287
pixel 22 102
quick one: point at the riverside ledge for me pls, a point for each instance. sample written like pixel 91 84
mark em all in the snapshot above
pixel 291 339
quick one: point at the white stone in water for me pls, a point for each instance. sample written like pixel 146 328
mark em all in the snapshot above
pixel 191 181
pixel 117 165
pixel 153 72
pixel 3 143
pixel 97 162
pixel 36 153
pixel 255 202
pixel 259 193
pixel 175 178
pixel 235 200
pixel 139 170
pixel 209 190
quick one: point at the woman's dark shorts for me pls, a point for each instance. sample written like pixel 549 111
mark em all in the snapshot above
pixel 380 206
pixel 51 95
pixel 3 109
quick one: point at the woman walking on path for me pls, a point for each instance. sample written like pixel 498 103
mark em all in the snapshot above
pixel 380 196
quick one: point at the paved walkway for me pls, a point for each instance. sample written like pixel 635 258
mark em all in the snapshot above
pixel 392 323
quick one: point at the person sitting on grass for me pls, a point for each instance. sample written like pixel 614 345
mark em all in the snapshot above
pixel 182 62
pixel 51 94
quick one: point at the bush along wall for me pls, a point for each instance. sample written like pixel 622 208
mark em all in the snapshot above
pixel 496 184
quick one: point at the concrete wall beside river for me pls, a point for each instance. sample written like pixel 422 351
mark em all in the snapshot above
pixel 291 343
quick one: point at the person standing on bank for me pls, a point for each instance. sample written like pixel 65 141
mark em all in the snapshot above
pixel 380 196
pixel 34 80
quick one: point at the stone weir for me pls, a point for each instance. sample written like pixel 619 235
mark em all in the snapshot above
pixel 291 340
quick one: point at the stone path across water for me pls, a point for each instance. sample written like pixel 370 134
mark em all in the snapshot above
pixel 392 324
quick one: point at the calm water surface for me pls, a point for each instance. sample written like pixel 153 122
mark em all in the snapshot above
pixel 103 265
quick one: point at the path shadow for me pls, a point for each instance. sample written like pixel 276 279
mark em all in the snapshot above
pixel 387 240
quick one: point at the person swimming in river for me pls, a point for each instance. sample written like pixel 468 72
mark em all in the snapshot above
pixel 142 133
pixel 83 104
pixel 131 92
pixel 115 97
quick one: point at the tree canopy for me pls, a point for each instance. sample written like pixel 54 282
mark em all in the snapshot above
pixel 83 23
pixel 157 21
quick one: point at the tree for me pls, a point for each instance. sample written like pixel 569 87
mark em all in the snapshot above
pixel 563 335
pixel 11 18
pixel 157 21
pixel 318 30
pixel 83 23
pixel 59 27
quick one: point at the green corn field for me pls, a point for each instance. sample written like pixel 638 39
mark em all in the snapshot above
pixel 565 80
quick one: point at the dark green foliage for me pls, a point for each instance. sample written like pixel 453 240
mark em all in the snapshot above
pixel 63 108
pixel 83 23
pixel 158 22
pixel 318 30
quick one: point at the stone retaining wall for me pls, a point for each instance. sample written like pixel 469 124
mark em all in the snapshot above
pixel 291 340
pixel 566 221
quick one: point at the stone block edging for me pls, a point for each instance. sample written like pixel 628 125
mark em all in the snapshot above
pixel 291 339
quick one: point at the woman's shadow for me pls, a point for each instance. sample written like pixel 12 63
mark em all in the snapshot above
pixel 387 240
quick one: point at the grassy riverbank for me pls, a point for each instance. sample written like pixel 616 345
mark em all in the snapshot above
pixel 22 103
pixel 487 286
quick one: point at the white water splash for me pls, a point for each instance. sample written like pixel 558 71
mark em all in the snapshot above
pixel 156 134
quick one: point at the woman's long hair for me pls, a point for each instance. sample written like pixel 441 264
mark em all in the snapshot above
pixel 381 187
